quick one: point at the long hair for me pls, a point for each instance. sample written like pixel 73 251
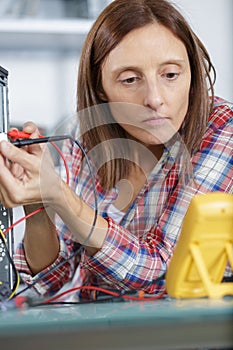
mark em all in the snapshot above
pixel 112 25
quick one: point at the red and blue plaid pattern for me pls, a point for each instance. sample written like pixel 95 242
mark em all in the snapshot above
pixel 137 251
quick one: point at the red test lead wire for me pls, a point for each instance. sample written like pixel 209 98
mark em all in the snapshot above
pixel 15 134
pixel 22 139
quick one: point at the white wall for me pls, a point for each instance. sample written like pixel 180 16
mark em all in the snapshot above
pixel 42 85
pixel 212 21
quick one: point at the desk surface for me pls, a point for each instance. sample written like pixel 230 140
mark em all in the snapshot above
pixel 162 324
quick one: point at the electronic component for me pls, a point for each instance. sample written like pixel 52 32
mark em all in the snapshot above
pixel 204 249
pixel 7 275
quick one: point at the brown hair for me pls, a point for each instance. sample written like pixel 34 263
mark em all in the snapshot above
pixel 112 25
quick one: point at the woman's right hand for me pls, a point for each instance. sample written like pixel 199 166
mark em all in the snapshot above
pixel 31 129
pixel 27 172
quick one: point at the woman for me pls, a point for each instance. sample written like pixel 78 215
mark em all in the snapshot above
pixel 155 137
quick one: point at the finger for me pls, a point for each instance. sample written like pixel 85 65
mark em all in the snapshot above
pixel 17 155
pixel 39 150
pixel 7 180
pixel 16 170
pixel 13 129
pixel 30 161
pixel 31 128
pixel 10 197
pixel 17 191
pixel 2 162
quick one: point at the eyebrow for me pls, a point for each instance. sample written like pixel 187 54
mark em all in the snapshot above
pixel 176 61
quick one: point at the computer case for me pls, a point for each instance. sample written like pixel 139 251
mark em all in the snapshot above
pixel 6 270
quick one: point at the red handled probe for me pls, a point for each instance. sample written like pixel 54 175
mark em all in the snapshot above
pixel 20 138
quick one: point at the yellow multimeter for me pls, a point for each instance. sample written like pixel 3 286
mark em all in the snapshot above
pixel 204 249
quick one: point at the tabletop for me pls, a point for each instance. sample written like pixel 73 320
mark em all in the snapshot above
pixel 161 324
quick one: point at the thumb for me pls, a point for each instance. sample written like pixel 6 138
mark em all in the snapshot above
pixel 15 154
pixel 5 147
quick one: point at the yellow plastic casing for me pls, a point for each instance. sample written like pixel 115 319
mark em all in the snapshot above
pixel 204 249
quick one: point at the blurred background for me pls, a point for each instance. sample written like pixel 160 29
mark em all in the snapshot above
pixel 40 43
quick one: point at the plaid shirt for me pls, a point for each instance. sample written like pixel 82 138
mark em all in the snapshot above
pixel 137 250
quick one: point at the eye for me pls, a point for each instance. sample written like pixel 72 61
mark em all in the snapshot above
pixel 129 81
pixel 171 76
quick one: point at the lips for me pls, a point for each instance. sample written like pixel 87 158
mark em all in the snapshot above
pixel 155 121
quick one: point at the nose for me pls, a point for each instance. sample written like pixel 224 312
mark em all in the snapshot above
pixel 153 95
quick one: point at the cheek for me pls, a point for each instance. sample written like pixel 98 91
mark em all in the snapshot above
pixel 117 94
pixel 181 105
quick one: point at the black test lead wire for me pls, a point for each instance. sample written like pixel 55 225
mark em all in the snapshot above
pixel 27 141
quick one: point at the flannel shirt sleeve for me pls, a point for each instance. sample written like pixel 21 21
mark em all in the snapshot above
pixel 127 263
pixel 51 279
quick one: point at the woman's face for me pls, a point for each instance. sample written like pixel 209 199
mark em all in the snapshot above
pixel 149 74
